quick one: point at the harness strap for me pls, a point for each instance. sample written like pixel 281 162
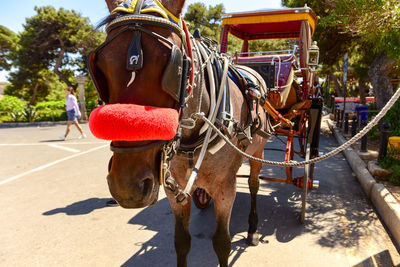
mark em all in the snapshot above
pixel 136 148
pixel 203 151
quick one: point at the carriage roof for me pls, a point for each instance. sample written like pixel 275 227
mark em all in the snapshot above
pixel 269 23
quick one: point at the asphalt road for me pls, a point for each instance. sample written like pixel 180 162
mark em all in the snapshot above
pixel 53 213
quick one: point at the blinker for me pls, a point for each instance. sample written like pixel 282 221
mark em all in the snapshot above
pixel 172 76
pixel 134 60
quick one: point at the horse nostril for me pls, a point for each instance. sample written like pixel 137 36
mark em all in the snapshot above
pixel 146 186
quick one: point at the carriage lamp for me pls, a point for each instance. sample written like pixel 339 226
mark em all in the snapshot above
pixel 313 55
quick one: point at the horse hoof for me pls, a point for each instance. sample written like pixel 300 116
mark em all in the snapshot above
pixel 252 239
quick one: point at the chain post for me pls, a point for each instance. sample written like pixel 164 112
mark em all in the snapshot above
pixel 353 125
pixel 346 123
pixel 364 139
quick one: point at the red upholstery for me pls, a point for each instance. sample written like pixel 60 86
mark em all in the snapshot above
pixel 129 122
pixel 285 66
pixel 267 58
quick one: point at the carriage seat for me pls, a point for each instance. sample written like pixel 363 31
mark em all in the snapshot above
pixel 264 58
pixel 285 68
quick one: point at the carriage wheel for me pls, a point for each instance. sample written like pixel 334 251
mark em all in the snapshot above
pixel 312 143
pixel 200 198
pixel 308 170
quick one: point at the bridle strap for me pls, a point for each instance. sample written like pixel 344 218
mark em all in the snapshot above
pixel 136 148
pixel 146 20
pixel 135 22
pixel 138 7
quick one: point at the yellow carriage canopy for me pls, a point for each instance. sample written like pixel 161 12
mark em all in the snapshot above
pixel 267 24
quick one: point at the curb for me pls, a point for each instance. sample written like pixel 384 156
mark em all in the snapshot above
pixel 384 202
pixel 34 124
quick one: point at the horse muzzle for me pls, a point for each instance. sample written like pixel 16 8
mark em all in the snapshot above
pixel 137 193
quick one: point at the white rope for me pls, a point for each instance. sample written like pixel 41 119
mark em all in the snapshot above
pixel 332 153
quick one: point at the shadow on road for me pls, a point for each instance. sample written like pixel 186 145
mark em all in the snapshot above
pixel 51 141
pixel 81 207
pixel 338 215
pixel 278 219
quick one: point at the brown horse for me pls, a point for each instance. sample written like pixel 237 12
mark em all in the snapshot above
pixel 134 173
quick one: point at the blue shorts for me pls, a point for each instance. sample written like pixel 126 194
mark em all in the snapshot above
pixel 71 115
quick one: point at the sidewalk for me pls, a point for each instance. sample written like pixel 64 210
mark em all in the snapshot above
pixel 384 202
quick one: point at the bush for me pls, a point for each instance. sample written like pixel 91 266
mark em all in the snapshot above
pixel 11 109
pixel 12 103
pixel 392 162
pixel 51 111
pixel 393 116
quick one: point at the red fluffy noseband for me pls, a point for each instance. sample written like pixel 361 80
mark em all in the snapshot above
pixel 129 122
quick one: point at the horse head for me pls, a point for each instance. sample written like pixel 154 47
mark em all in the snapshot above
pixel 138 69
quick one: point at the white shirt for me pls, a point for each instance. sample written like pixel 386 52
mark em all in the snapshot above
pixel 72 103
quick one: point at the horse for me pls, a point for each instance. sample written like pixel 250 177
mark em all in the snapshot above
pixel 137 164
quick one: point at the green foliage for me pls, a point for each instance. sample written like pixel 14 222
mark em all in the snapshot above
pixel 11 103
pixel 54 36
pixel 377 22
pixel 269 45
pixel 332 40
pixel 90 92
pixel 56 92
pixel 11 108
pixel 50 105
pixel 8 44
pixel 234 44
pixel 35 87
pixel 393 116
pixel 51 111
pixel 392 162
pixel 52 48
pixel 208 20
pixel 91 104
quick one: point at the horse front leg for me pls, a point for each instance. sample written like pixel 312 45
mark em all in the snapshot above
pixel 254 184
pixel 182 238
pixel 223 202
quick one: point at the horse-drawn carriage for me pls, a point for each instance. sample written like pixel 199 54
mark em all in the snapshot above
pixel 292 102
pixel 183 115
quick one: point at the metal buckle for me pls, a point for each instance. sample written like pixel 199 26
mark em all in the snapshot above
pixel 226 116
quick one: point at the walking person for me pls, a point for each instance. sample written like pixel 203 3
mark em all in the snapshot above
pixel 73 113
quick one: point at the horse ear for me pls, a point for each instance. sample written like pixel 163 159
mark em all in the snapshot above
pixel 174 6
pixel 112 4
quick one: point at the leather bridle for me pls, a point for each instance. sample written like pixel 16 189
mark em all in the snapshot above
pixel 137 22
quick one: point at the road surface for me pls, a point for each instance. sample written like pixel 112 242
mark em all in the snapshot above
pixel 53 196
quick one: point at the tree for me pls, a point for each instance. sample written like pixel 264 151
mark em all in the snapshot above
pixel 207 20
pixel 56 40
pixel 369 27
pixel 35 86
pixel 378 23
pixel 8 44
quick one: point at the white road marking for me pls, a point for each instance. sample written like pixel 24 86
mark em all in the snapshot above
pixel 50 164
pixel 65 148
pixel 61 142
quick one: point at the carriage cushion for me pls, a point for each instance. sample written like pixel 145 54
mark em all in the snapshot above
pixel 129 122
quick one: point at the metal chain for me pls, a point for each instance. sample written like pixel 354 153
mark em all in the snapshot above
pixel 332 153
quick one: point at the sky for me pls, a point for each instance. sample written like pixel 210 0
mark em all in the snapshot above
pixel 14 13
